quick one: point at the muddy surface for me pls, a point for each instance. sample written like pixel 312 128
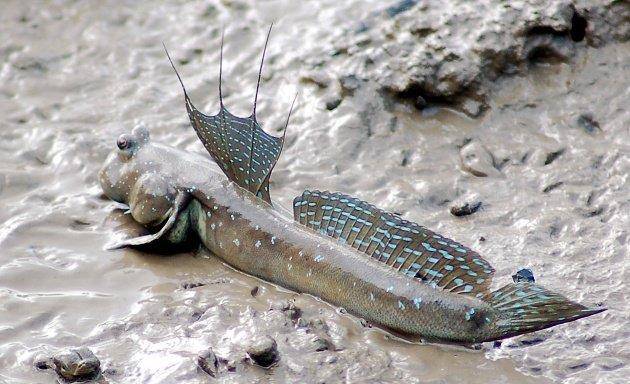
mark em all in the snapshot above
pixel 546 164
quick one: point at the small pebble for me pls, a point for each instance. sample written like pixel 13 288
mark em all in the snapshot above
pixel 208 362
pixel 477 160
pixel 349 84
pixel 263 351
pixel 42 362
pixel 331 359
pixel 552 156
pixel 524 274
pixel 588 122
pixel 466 209
pixel 323 344
pixel 288 308
pixel 552 186
pixel 192 285
pixel 472 108
pixel 74 365
pixel 231 366
pixel 333 102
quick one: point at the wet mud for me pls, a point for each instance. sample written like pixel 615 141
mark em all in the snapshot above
pixel 538 179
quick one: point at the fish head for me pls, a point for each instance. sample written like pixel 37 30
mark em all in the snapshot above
pixel 132 176
pixel 120 171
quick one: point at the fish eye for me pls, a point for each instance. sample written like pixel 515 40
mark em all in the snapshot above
pixel 122 142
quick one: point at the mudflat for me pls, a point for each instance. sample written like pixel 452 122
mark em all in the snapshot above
pixel 549 130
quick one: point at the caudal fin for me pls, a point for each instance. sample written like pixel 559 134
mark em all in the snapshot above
pixel 526 307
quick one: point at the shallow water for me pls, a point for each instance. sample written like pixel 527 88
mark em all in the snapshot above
pixel 76 75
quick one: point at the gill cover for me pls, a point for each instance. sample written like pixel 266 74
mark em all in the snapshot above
pixel 243 151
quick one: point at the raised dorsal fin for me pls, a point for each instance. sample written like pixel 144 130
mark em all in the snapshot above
pixel 403 245
pixel 240 147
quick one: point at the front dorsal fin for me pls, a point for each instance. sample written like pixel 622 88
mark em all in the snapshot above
pixel 403 245
pixel 243 151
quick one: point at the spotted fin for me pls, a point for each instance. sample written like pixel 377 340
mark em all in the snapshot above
pixel 403 245
pixel 240 147
pixel 527 307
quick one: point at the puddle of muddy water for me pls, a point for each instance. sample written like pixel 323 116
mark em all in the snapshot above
pixel 75 76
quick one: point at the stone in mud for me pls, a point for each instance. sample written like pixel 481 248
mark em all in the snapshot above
pixel 192 285
pixel 333 102
pixel 73 365
pixel 588 123
pixel 208 362
pixel 477 160
pixel 323 343
pixel 552 186
pixel 473 108
pixel 552 156
pixel 528 340
pixel 42 362
pixel 524 274
pixel 349 84
pixel 263 351
pixel 289 308
pixel 465 209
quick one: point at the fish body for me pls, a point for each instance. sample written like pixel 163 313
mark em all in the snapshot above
pixel 259 239
pixel 390 271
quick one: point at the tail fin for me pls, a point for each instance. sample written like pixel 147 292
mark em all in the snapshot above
pixel 526 307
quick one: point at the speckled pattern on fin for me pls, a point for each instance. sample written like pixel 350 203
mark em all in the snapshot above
pixel 528 307
pixel 403 245
pixel 240 147
pixel 180 203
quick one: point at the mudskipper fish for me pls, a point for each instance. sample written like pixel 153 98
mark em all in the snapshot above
pixel 378 266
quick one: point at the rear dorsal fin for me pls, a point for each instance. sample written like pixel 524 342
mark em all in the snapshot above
pixel 403 245
pixel 243 151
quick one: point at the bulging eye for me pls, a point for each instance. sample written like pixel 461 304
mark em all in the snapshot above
pixel 122 142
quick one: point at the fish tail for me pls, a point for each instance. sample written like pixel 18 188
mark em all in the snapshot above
pixel 527 307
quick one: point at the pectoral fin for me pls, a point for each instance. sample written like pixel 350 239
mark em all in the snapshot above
pixel 181 201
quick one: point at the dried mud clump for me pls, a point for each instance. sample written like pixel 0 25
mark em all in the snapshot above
pixel 432 52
